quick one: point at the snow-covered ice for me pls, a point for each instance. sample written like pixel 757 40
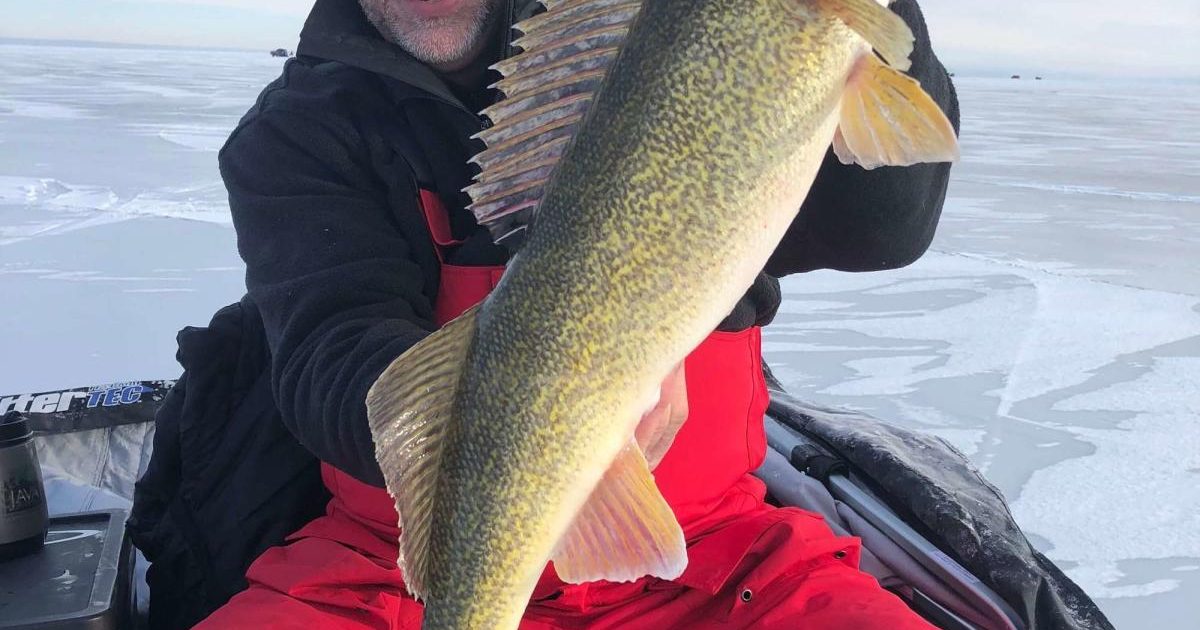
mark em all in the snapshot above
pixel 114 225
pixel 1052 332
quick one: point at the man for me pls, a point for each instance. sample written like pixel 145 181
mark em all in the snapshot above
pixel 344 182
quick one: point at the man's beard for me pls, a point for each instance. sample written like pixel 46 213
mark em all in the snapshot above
pixel 442 41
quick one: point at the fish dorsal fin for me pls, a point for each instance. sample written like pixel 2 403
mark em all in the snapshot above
pixel 624 531
pixel 547 89
pixel 410 409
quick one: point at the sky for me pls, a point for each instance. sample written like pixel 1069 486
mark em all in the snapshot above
pixel 1142 38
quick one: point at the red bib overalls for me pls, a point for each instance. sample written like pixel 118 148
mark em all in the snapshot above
pixel 749 564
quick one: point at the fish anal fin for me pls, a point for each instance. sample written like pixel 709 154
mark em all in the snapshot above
pixel 624 531
pixel 885 31
pixel 888 120
pixel 410 410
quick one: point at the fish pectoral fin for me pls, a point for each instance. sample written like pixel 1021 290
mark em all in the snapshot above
pixel 885 31
pixel 888 120
pixel 625 531
pixel 410 409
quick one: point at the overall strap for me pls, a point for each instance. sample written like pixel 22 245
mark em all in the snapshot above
pixel 437 218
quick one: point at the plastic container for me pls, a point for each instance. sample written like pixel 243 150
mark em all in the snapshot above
pixel 81 580
pixel 23 515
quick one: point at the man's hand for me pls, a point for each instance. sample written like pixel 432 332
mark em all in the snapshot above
pixel 657 428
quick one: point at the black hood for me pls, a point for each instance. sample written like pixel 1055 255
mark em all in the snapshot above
pixel 337 30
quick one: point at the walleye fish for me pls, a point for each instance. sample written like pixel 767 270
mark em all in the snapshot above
pixel 651 153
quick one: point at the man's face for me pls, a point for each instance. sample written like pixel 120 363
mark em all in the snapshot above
pixel 446 34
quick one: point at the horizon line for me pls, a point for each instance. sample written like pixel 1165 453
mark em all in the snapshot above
pixel 967 72
pixel 97 43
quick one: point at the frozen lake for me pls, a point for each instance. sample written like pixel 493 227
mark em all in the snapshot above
pixel 1052 332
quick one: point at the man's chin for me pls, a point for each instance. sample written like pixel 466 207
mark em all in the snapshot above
pixel 445 34
pixel 445 49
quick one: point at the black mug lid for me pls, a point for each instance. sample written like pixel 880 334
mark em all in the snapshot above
pixel 14 428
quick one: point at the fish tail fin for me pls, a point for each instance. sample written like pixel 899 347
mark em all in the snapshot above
pixel 887 33
pixel 410 410
pixel 624 531
pixel 888 120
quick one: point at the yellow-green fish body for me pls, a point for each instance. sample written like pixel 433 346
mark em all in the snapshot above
pixel 692 160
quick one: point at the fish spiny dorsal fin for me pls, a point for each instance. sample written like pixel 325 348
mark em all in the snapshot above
pixel 410 408
pixel 548 87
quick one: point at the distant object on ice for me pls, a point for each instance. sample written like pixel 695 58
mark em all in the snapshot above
pixel 281 52
pixel 1037 78
pixel 1015 76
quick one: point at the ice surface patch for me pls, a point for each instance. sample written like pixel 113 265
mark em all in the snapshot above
pixel 1050 354
pixel 206 202
pixel 77 206
pixel 963 313
pixel 155 88
pixel 201 140
pixel 790 346
pixel 200 137
pixel 160 290
pixel 51 192
pixel 1095 580
pixel 892 374
pixel 948 427
pixel 1068 189
pixel 43 189
pixel 42 110
pixel 990 354
pixel 1137 497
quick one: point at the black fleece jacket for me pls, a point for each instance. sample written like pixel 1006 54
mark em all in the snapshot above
pixel 323 176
